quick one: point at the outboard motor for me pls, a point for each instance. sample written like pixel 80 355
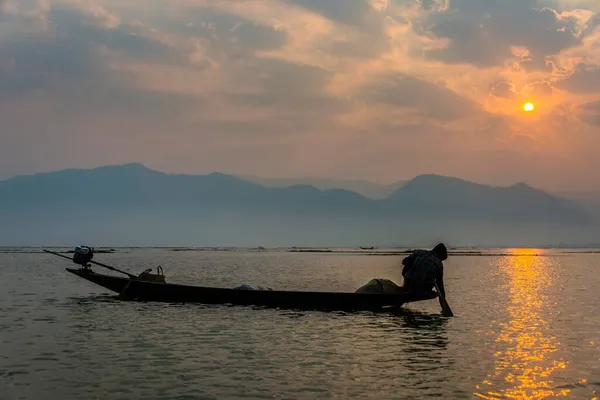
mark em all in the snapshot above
pixel 83 255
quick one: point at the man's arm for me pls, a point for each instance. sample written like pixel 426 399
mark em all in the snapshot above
pixel 440 281
pixel 439 284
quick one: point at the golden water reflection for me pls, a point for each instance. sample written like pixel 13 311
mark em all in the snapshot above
pixel 526 359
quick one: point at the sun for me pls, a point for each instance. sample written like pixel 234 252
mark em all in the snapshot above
pixel 528 107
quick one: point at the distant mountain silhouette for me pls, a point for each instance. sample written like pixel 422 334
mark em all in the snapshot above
pixel 134 185
pixel 368 189
pixel 452 198
pixel 131 200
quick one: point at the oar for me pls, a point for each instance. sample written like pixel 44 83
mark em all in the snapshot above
pixel 446 310
pixel 95 262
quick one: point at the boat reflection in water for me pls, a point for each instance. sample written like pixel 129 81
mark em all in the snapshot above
pixel 525 359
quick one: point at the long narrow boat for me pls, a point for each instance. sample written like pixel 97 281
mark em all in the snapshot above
pixel 152 287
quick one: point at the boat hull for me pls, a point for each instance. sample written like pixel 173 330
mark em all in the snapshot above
pixel 302 300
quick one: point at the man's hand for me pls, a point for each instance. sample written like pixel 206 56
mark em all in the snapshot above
pixel 446 310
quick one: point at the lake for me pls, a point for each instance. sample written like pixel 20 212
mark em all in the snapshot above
pixel 526 325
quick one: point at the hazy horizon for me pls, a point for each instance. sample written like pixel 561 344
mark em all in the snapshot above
pixel 346 89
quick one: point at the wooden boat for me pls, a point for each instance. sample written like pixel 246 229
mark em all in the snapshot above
pixel 152 287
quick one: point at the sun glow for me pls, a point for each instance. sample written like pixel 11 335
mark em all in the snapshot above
pixel 528 107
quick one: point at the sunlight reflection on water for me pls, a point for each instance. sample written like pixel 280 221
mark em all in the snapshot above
pixel 527 361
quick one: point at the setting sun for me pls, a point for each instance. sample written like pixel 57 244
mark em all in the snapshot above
pixel 528 107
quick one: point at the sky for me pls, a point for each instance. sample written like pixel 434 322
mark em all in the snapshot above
pixel 382 90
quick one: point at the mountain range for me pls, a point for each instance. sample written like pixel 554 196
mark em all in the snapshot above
pixel 134 205
pixel 588 200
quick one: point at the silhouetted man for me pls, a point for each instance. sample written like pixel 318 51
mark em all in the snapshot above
pixel 424 270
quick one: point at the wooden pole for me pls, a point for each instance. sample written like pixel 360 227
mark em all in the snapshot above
pixel 95 262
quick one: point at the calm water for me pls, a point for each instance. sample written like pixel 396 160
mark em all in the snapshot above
pixel 526 326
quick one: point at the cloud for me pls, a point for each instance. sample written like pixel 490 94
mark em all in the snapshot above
pixel 359 16
pixel 227 33
pixel 591 113
pixel 583 80
pixel 484 32
pixel 73 52
pixel 285 85
pixel 425 98
pixel 22 17
pixel 503 89
pixel 356 13
pixel 301 87
pixel 96 14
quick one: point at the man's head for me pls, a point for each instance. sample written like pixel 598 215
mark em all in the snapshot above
pixel 440 251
